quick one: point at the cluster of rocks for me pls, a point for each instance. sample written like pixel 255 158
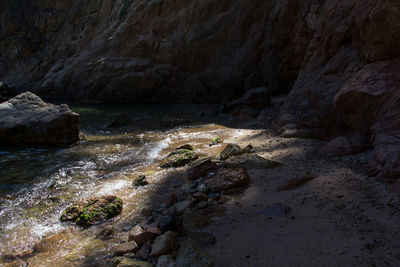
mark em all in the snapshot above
pixel 170 236
pixel 169 233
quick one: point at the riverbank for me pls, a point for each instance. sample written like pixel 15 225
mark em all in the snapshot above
pixel 337 215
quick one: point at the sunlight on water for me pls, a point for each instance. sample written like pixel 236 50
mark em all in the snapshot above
pixel 37 184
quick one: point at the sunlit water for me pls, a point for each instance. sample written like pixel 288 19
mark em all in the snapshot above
pixel 38 183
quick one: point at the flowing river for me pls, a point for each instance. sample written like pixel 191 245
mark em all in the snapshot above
pixel 38 183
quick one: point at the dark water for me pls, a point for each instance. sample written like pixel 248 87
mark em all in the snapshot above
pixel 37 183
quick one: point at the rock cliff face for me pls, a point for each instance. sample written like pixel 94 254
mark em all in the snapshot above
pixel 339 59
pixel 153 50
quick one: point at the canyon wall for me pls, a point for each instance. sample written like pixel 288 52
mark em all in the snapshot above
pixel 338 59
pixel 149 51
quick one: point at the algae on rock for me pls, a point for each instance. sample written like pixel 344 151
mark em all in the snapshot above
pixel 93 211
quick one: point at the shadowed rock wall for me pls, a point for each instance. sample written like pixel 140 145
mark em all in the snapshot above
pixel 159 50
pixel 338 58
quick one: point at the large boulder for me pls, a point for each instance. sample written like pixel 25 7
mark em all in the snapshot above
pixel 28 119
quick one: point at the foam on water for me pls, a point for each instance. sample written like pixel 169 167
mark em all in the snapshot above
pixel 154 152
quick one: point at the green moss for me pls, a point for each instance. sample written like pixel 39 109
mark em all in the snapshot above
pixel 215 141
pixel 93 210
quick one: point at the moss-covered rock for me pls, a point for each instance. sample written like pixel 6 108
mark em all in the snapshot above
pixel 140 181
pixel 179 157
pixel 93 211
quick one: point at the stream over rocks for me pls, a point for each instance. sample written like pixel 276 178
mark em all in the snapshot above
pixel 38 183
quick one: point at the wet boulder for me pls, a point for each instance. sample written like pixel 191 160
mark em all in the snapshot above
pixel 93 211
pixel 140 181
pixel 201 168
pixel 27 119
pixel 228 178
pixel 179 157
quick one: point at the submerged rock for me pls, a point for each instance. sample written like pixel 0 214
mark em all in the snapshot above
pixel 228 178
pixel 27 119
pixel 179 157
pixel 93 211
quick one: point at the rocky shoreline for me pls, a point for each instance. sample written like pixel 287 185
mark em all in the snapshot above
pixel 278 192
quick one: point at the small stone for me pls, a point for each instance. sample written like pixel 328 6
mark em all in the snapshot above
pixel 201 168
pixel 128 247
pixel 182 206
pixel 128 262
pixel 106 233
pixel 163 244
pixel 141 236
pixel 228 178
pixel 230 150
pixel 247 149
pixel 144 251
pixel 130 255
pixel 146 211
pixel 140 181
